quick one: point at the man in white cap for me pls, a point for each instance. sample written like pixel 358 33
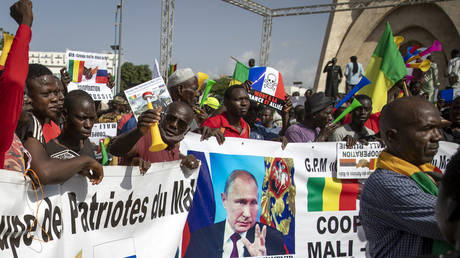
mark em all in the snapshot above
pixel 183 86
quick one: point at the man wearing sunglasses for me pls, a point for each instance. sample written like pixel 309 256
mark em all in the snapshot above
pixel 175 123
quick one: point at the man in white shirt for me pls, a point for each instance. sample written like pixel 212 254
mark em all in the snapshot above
pixel 239 235
pixel 353 72
pixel 453 67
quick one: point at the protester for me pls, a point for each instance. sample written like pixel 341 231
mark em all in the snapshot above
pixel 183 86
pixel 251 62
pixel 317 124
pixel 134 145
pixel 51 128
pixel 353 73
pixel 431 80
pixel 118 108
pixel 453 66
pixel 12 82
pixel 299 113
pixel 398 199
pixel 453 81
pixel 266 129
pixel 334 77
pixel 43 93
pixel 211 105
pixel 239 235
pixel 79 117
pixel 355 130
pixel 231 122
pixel 452 132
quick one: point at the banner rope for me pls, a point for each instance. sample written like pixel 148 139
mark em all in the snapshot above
pixel 33 176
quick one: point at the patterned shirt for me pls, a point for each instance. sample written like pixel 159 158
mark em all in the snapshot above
pixel 397 216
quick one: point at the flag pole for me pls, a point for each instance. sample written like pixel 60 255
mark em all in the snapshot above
pixel 406 91
pixel 236 60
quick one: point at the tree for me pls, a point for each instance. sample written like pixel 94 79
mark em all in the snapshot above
pixel 220 86
pixel 132 75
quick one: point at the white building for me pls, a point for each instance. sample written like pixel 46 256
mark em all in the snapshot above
pixel 56 60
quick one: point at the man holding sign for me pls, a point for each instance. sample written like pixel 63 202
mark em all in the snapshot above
pixel 239 235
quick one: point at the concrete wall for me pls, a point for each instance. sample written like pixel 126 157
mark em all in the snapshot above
pixel 357 33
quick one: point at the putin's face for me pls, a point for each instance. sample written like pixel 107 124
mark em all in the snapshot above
pixel 241 204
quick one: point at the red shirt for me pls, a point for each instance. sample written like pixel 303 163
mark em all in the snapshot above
pixel 12 84
pixel 50 131
pixel 220 121
pixel 142 148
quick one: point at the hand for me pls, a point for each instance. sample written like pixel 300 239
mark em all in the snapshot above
pixel 200 114
pixel 65 77
pixel 247 85
pixel 97 171
pixel 190 162
pixel 326 132
pixel 351 141
pixel 284 142
pixel 144 165
pixel 287 105
pixel 110 81
pixel 21 12
pixel 207 132
pixel 147 119
pixel 258 247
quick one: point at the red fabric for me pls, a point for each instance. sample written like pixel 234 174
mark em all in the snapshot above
pixel 50 131
pixel 142 147
pixel 124 119
pixel 220 121
pixel 371 123
pixel 12 84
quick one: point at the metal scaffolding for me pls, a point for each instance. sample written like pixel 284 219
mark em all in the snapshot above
pixel 268 14
pixel 167 26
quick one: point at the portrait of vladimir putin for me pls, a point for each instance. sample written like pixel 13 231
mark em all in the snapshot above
pixel 239 235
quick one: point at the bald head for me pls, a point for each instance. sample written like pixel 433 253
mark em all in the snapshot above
pixel 410 128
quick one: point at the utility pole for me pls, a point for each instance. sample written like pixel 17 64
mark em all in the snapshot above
pixel 118 84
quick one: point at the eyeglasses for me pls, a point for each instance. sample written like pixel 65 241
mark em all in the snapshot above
pixel 181 124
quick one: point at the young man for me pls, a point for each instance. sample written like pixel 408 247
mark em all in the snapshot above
pixel 398 199
pixel 266 129
pixel 353 72
pixel 134 145
pixel 79 117
pixel 230 123
pixel 317 124
pixel 355 130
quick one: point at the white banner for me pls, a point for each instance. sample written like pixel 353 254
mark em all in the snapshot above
pixel 88 72
pixel 299 195
pixel 127 215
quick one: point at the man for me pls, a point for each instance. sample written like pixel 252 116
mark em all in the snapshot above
pixel 453 81
pixel 266 129
pixel 79 117
pixel 251 62
pixel 51 128
pixel 398 199
pixel 453 67
pixel 355 130
pixel 431 80
pixel 334 77
pixel 353 72
pixel 452 133
pixel 183 86
pixel 447 207
pixel 43 93
pixel 239 235
pixel 317 124
pixel 230 123
pixel 118 106
pixel 134 145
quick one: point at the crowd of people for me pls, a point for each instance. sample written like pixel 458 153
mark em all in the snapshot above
pixel 46 129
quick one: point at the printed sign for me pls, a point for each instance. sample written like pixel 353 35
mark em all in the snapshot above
pixel 101 131
pixel 359 161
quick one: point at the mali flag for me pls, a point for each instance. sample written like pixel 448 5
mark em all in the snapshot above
pixel 331 194
pixel 240 74
pixel 385 68
pixel 76 68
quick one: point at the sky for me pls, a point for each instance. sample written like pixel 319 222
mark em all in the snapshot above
pixel 206 33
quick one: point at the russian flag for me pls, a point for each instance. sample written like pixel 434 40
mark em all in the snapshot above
pixel 267 80
pixel 101 76
pixel 450 94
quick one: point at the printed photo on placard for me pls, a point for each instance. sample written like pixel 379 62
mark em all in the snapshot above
pixel 241 194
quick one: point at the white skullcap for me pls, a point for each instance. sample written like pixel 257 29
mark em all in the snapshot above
pixel 179 76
